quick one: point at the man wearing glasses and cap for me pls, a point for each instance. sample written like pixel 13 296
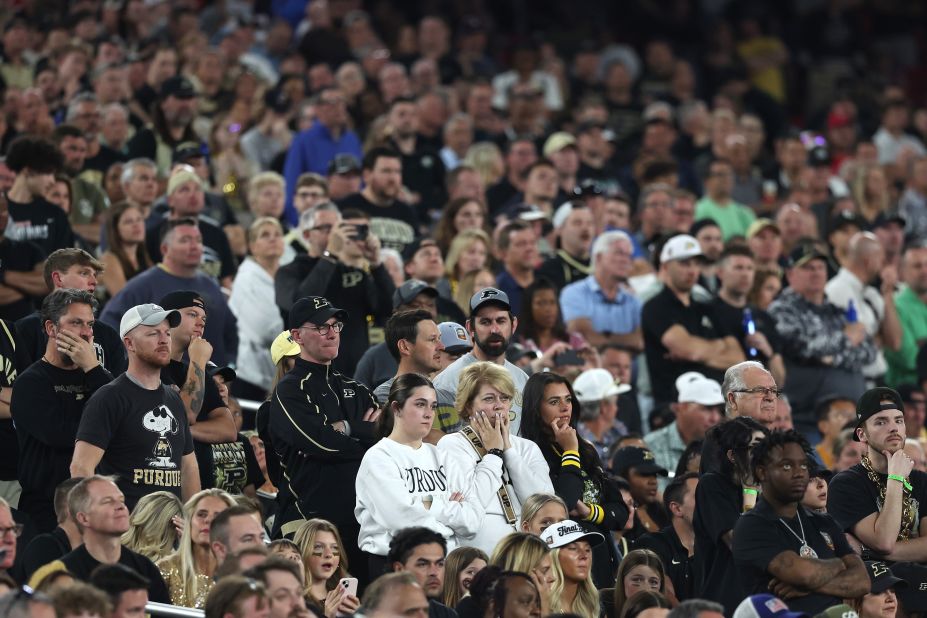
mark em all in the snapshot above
pixel 321 423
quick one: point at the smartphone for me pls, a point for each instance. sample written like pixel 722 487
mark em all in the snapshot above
pixel 361 231
pixel 570 357
pixel 349 584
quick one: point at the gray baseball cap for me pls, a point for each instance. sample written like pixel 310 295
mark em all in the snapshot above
pixel 149 314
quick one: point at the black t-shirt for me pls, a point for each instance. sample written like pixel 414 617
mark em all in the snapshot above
pixel 675 558
pixel 563 269
pixel 47 406
pixel 81 564
pixel 32 340
pixel 659 314
pixel 718 503
pixel 103 160
pixel 852 496
pixel 40 222
pixel 395 225
pixel 9 444
pixel 143 433
pixel 499 194
pixel 18 256
pixel 43 549
pixel 217 261
pixel 730 322
pixel 234 466
pixel 760 536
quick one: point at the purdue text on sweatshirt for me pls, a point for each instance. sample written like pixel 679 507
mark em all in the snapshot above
pixel 399 486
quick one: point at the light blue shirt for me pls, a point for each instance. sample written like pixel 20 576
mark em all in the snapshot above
pixel 584 299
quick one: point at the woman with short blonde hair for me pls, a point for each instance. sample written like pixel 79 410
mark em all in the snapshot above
pixel 152 532
pixel 485 393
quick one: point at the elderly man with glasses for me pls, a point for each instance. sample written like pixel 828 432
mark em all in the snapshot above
pixel 750 390
pixel 321 423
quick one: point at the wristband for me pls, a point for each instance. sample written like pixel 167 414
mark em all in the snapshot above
pixel 750 492
pixel 570 458
pixel 495 451
pixel 902 480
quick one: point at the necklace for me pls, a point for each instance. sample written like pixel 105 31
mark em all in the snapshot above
pixel 805 550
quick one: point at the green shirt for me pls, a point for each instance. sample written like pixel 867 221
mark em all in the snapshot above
pixel 902 365
pixel 732 218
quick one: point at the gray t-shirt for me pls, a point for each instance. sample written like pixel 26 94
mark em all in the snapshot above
pixel 448 419
pixel 381 393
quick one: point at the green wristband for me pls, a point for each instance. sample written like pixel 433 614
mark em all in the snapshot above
pixel 902 480
pixel 750 492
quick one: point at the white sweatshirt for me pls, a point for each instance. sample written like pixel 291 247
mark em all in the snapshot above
pixel 527 474
pixel 394 484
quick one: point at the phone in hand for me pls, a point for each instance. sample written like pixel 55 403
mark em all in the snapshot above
pixel 361 231
pixel 567 358
pixel 349 585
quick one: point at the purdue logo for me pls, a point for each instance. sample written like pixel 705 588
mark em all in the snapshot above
pixel 320 302
pixel 648 456
pixel 348 393
pixel 879 569
pixel 488 293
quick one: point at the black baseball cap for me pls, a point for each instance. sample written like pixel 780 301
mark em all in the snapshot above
pixel 588 187
pixel 275 99
pixel 804 253
pixel 881 577
pixel 186 151
pixel 409 251
pixel 177 86
pixel 344 163
pixel 641 459
pixel 874 401
pixel 226 373
pixel 489 296
pixel 888 216
pixel 818 157
pixel 409 290
pixel 183 299
pixel 314 309
pixel 845 218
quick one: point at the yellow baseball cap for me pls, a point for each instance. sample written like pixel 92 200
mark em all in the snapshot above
pixel 283 346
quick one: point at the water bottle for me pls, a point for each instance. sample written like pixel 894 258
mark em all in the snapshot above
pixel 749 329
pixel 851 315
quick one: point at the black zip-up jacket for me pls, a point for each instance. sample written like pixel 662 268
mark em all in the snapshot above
pixel 319 464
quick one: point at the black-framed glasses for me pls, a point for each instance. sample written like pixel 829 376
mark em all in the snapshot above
pixel 765 391
pixel 324 328
pixel 16 529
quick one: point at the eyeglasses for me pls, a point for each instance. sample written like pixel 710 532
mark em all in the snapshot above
pixel 16 529
pixel 322 228
pixel 324 328
pixel 761 390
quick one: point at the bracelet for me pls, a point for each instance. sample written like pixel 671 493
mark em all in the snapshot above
pixel 902 480
pixel 750 492
pixel 495 451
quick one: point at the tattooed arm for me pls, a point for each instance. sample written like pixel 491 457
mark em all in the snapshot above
pixel 193 390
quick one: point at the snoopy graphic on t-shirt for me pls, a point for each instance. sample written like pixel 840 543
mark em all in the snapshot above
pixel 161 421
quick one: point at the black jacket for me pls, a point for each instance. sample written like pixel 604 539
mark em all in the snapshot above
pixel 319 462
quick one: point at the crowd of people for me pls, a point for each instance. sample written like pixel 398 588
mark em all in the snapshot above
pixel 336 308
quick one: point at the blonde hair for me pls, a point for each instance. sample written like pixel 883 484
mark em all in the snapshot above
pixel 461 243
pixel 305 538
pixel 483 156
pixel 457 561
pixel 633 559
pixel 466 288
pixel 474 376
pixel 860 191
pixel 151 532
pixel 519 551
pixel 188 572
pixel 586 602
pixel 261 180
pixel 535 502
pixel 260 222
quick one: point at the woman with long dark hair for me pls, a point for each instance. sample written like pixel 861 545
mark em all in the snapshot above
pixel 126 256
pixel 540 324
pixel 550 412
pixel 725 490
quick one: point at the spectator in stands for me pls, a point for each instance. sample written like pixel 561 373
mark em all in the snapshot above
pixel 421 552
pixel 254 284
pixel 127 589
pixel 765 242
pixel 891 139
pixel 699 407
pixel 750 390
pixel 126 255
pixel 284 582
pixel 44 548
pixel 423 261
pixel 99 509
pixel 188 571
pixel 80 600
pixel 469 252
pixel 22 271
pixel 766 287
pixel 598 307
pixel 834 414
pixel 315 226
pixel 185 200
pixel 139 180
pixel 344 176
pixel 911 304
pixel 766 553
pixel 395 594
pixel 736 272
pixel 113 431
pixel 88 201
pixel 460 214
pixel 824 352
pixel 234 529
pixel 11 531
pixel 335 431
pixel 597 393
pixel 708 234
pixel 350 269
pixel 655 210
pixel 520 154
pixel 73 269
pixel 172 123
pixel 517 248
pixel 491 326
pixel 153 525
pixel 679 334
pixel 414 342
pixel 732 218
pixel 50 397
pixel 182 249
pixel 318 546
pixel 575 228
pixel 638 466
pixel 35 161
pixel 484 398
pixel 235 596
pixel 912 205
